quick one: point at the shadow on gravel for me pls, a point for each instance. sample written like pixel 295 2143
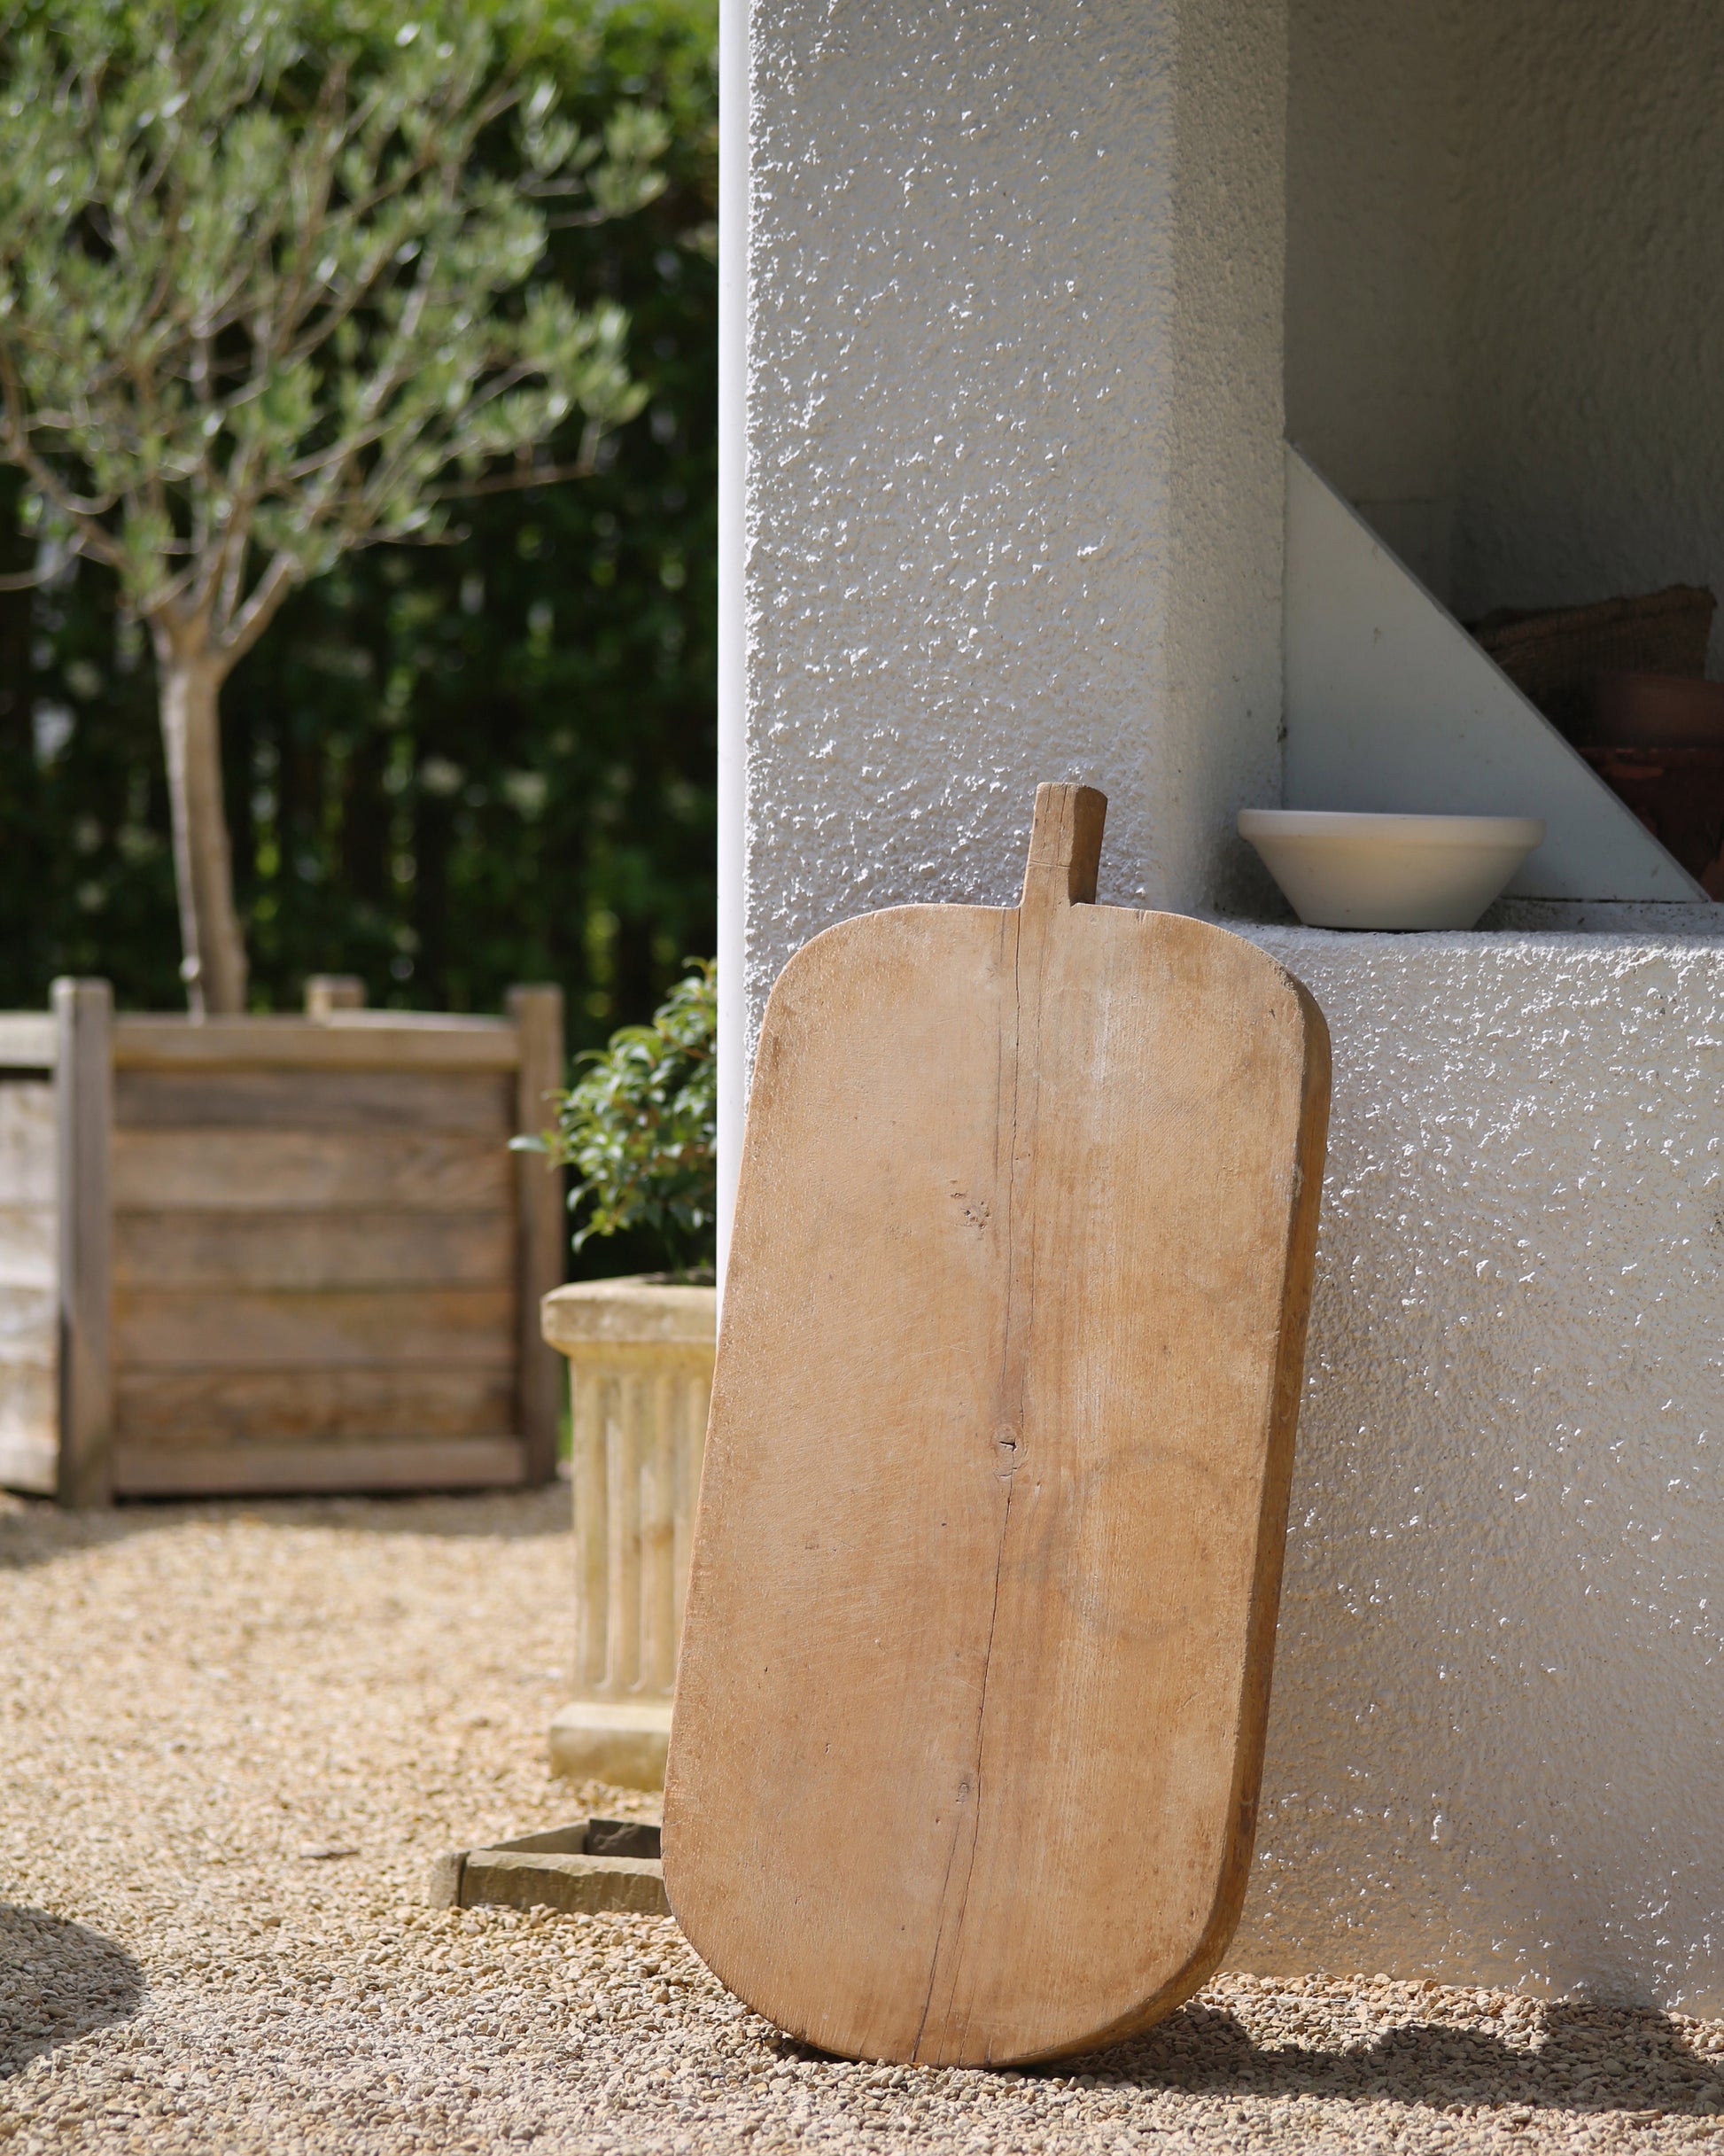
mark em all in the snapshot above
pixel 502 1516
pixel 57 1980
pixel 35 1532
pixel 1589 2059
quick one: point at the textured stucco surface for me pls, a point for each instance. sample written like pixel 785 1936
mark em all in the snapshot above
pixel 1014 513
pixel 1496 1749
pixel 1014 478
pixel 1592 312
pixel 1373 261
pixel 1503 308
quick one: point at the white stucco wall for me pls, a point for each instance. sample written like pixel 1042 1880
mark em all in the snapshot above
pixel 1013 481
pixel 1496 1750
pixel 1592 308
pixel 1503 304
pixel 1009 342
pixel 1373 259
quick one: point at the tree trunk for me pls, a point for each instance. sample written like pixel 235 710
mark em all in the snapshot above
pixel 214 964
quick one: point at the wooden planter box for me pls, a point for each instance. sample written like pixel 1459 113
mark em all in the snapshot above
pixel 278 1254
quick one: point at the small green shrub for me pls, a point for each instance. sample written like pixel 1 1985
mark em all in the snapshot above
pixel 638 1129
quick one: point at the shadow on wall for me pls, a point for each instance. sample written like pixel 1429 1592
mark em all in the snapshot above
pixel 1591 2059
pixel 1500 342
pixel 57 1980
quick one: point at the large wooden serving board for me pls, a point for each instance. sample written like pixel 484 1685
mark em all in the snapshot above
pixel 974 1672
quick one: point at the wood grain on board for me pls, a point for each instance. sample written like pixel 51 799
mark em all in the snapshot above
pixel 976 1666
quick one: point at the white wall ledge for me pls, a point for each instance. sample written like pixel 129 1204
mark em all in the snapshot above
pixel 1651 919
pixel 1518 921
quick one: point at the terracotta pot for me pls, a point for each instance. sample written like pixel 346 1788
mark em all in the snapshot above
pixel 1678 794
pixel 1655 711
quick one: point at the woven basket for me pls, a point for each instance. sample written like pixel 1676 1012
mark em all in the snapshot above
pixel 1554 658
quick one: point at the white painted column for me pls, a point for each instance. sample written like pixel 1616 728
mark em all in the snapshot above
pixel 733 679
pixel 1007 447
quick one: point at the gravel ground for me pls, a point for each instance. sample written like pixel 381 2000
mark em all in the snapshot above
pixel 232 1739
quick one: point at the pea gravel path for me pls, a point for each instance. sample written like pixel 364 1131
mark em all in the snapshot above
pixel 201 1706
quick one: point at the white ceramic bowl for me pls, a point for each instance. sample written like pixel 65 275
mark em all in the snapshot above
pixel 1340 871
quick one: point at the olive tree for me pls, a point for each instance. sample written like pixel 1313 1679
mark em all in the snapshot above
pixel 263 302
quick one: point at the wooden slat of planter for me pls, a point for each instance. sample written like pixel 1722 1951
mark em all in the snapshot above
pixel 29 1463
pixel 205 1408
pixel 83 1131
pixel 401 1463
pixel 29 1325
pixel 27 1246
pixel 26 1040
pixel 308 1170
pixel 26 1142
pixel 29 1436
pixel 352 1040
pixel 542 1222
pixel 482 1102
pixel 168 1327
pixel 26 1391
pixel 333 1250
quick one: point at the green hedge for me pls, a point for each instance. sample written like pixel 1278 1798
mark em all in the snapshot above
pixel 449 768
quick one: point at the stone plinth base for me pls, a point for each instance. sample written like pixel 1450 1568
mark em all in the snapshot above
pixel 623 1744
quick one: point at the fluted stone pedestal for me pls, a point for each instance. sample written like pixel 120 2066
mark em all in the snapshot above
pixel 640 1372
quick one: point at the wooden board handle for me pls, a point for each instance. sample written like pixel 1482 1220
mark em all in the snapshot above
pixel 1065 846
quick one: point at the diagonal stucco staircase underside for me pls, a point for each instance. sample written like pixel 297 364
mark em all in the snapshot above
pixel 1392 706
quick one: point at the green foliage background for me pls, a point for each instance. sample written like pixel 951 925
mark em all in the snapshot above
pixel 447 767
pixel 638 1129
